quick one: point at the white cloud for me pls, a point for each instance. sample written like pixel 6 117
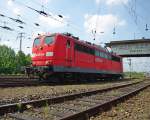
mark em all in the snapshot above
pixel 97 1
pixel 112 2
pixel 35 33
pixel 102 23
pixel 45 1
pixel 6 42
pixel 10 3
pixel 54 22
pixel 122 23
pixel 17 11
pixel 116 2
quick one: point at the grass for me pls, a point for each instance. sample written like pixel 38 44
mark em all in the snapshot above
pixel 113 93
pixel 19 107
pixel 140 75
pixel 46 110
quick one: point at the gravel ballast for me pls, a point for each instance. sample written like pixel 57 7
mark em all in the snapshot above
pixel 136 108
pixel 22 94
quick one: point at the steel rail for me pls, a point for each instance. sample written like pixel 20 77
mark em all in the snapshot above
pixel 20 107
pixel 21 81
pixel 85 115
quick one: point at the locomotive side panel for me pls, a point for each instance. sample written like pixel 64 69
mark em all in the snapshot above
pixel 116 64
pixel 64 53
pixel 103 61
pixel 84 56
pixel 82 60
pixel 59 52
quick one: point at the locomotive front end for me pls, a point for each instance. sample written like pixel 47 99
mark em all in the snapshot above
pixel 43 54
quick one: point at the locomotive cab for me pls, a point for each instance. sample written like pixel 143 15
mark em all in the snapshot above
pixel 43 51
pixel 43 54
pixel 50 53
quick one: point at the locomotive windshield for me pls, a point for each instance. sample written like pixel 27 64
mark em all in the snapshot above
pixel 49 39
pixel 36 41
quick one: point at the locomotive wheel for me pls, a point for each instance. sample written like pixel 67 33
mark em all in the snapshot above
pixel 43 76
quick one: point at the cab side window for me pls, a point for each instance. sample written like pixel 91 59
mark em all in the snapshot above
pixel 68 44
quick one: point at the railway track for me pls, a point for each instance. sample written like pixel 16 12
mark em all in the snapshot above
pixel 15 77
pixel 18 81
pixel 23 80
pixel 75 106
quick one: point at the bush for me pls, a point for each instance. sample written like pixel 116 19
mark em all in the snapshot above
pixel 10 62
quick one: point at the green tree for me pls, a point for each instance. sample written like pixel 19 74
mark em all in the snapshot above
pixel 22 60
pixel 7 59
pixel 10 62
pixel 28 59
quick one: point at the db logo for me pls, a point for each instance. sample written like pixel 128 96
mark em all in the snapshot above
pixel 98 60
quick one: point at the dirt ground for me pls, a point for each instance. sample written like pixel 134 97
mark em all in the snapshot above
pixel 136 108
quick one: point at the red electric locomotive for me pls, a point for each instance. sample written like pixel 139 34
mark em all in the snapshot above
pixel 62 54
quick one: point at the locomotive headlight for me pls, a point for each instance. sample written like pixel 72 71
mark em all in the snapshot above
pixel 48 54
pixel 48 62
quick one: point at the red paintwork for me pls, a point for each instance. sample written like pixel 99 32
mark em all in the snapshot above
pixel 68 57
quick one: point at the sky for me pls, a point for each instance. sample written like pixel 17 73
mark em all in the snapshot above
pixel 79 17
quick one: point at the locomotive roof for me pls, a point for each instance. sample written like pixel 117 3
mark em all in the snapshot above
pixel 89 44
pixel 77 40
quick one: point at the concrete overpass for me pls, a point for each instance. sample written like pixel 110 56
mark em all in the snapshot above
pixel 131 48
